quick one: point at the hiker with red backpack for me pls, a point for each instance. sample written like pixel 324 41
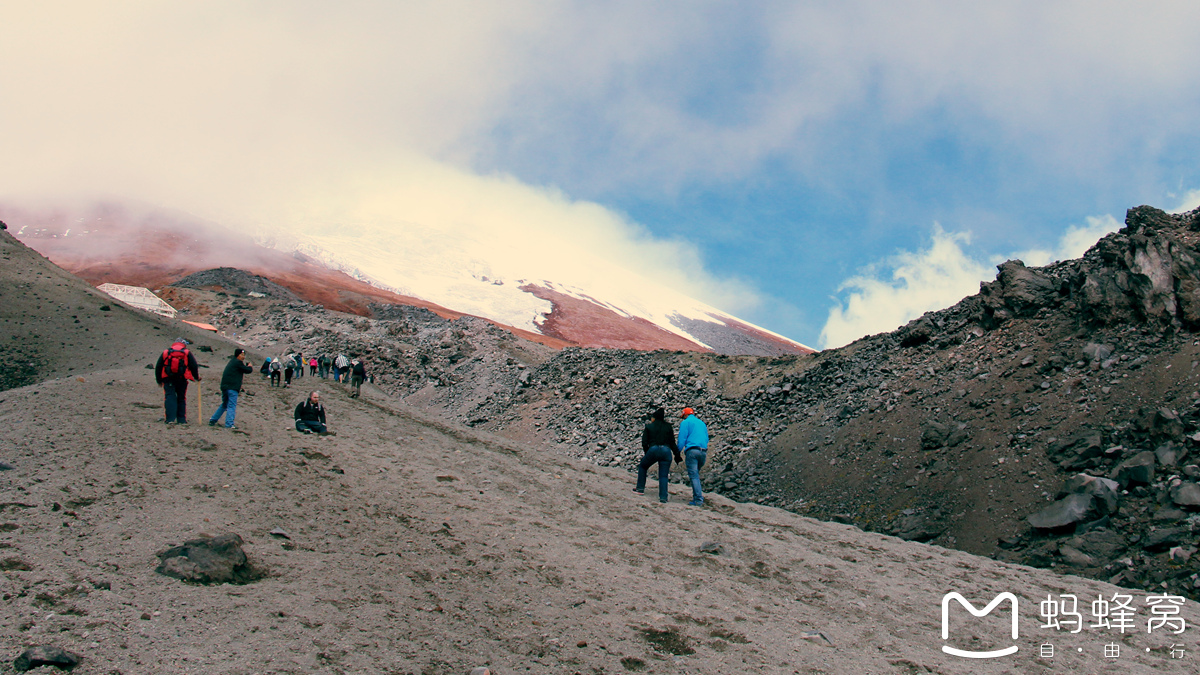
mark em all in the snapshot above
pixel 174 368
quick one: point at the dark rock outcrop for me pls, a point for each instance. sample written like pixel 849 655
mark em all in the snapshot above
pixel 231 279
pixel 1018 291
pixel 46 655
pixel 214 560
pixel 1072 509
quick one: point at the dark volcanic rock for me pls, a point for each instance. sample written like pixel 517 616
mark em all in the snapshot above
pixel 1168 454
pixel 1186 494
pixel 1097 352
pixel 1075 557
pixel 239 281
pixel 1137 470
pixel 46 655
pixel 918 527
pixel 1072 509
pixel 1075 452
pixel 917 332
pixel 215 560
pixel 1166 424
pixel 1104 490
pixel 1102 544
pixel 935 434
pixel 1166 537
pixel 1017 291
pixel 1149 274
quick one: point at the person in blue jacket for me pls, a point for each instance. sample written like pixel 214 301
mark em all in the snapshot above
pixel 693 441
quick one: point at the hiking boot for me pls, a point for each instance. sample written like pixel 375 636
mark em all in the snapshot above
pixel 696 503
pixel 212 423
pixel 640 492
pixel 327 433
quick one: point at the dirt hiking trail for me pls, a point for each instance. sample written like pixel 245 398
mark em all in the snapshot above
pixel 416 547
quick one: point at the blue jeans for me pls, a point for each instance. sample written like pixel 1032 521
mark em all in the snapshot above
pixel 662 455
pixel 228 408
pixel 175 400
pixel 693 459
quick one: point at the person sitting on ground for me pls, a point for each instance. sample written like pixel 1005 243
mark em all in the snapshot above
pixel 358 374
pixel 310 416
pixel 658 444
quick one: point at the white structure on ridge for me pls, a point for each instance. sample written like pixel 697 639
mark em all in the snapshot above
pixel 141 298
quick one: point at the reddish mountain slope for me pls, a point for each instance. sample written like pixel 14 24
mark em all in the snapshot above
pixel 114 244
pixel 585 323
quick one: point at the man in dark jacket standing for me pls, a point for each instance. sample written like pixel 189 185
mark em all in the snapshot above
pixel 175 366
pixel 231 385
pixel 658 444
pixel 310 416
pixel 358 375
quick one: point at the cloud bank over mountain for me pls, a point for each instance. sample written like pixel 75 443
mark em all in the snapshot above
pixel 253 125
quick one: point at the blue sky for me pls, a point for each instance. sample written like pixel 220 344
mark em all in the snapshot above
pixel 823 169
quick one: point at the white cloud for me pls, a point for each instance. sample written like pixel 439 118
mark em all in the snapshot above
pixel 934 278
pixel 710 93
pixel 1073 243
pixel 1188 202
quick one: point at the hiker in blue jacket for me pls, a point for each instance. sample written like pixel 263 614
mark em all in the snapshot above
pixel 693 440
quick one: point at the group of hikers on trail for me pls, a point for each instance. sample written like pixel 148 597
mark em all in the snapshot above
pixel 177 366
pixel 281 369
pixel 659 445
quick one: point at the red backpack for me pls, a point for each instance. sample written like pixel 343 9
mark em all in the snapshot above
pixel 175 362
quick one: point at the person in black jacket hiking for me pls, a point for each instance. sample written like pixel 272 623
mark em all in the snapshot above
pixel 231 385
pixel 358 375
pixel 658 444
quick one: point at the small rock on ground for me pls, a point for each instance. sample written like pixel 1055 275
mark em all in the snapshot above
pixel 46 655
